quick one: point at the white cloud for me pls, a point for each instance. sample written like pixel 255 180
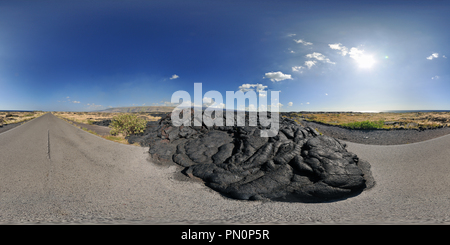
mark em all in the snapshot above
pixel 259 88
pixel 220 105
pixel 326 94
pixel 307 103
pixel 355 53
pixel 271 107
pixel 187 103
pixel 93 106
pixel 435 77
pixel 338 46
pixel 277 76
pixel 298 68
pixel 310 63
pixel 319 56
pixel 362 59
pixel 67 97
pixel 290 104
pixel 174 76
pixel 303 42
pixel 248 87
pixel 291 35
pixel 76 102
pixel 184 103
pixel 207 100
pixel 432 56
pixel 443 56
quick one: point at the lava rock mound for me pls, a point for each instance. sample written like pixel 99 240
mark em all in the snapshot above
pixel 298 164
pixel 104 123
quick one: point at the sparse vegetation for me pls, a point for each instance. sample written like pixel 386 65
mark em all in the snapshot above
pixel 91 117
pixel 127 124
pixel 364 124
pixel 18 117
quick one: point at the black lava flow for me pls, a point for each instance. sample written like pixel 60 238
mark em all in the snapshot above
pixel 298 164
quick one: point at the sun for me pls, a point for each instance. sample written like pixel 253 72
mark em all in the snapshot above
pixel 365 61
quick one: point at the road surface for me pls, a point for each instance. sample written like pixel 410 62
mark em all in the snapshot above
pixel 53 172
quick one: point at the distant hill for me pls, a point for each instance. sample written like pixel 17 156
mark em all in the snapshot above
pixel 161 109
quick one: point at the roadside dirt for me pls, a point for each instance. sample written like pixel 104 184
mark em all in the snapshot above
pixel 100 130
pixel 7 127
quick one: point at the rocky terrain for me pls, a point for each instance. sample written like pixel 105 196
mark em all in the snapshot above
pixel 298 164
pixel 378 136
pixel 390 120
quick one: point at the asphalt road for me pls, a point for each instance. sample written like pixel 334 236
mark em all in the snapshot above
pixel 53 172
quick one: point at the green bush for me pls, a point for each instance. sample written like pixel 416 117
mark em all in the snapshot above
pixel 365 125
pixel 127 124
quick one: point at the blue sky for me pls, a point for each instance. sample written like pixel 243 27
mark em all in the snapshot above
pixel 321 55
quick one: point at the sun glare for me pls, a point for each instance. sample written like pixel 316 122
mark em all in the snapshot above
pixel 365 61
